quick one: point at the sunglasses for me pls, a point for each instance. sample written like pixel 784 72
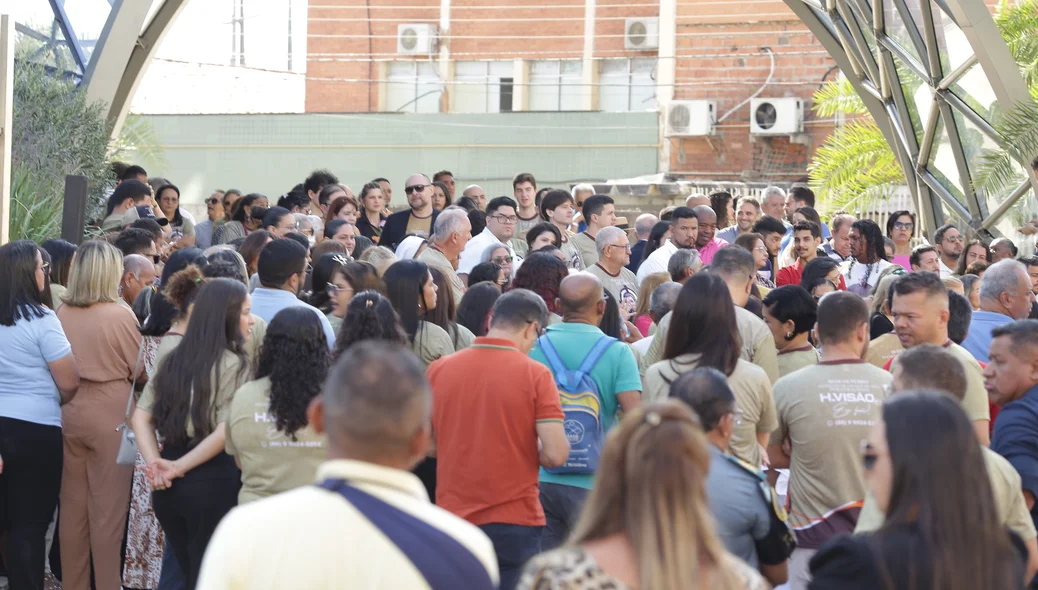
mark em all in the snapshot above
pixel 904 225
pixel 502 259
pixel 214 201
pixel 415 187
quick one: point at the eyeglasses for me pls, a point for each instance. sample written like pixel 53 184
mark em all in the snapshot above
pixel 626 247
pixel 761 248
pixel 502 259
pixel 333 290
pixel 214 201
pixel 156 258
pixel 904 225
pixel 953 239
pixel 505 218
pixel 45 267
pixel 416 187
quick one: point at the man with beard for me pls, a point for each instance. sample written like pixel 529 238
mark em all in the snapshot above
pixel 948 242
pixel 746 214
pixel 684 229
pixel 868 258
pixel 807 237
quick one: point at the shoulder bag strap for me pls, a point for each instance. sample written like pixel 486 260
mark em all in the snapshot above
pixel 133 381
pixel 441 559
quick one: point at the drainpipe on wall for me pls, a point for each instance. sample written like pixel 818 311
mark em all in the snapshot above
pixel 589 98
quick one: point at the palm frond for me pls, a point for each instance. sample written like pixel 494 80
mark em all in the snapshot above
pixel 1019 129
pixel 1018 24
pixel 854 167
pixel 838 97
pixel 139 142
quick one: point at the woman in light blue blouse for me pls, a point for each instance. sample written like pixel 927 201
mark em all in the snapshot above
pixel 37 375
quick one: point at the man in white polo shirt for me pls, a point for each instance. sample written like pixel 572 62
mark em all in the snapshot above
pixel 684 229
pixel 501 223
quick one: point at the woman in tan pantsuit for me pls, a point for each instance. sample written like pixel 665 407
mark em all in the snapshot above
pixel 95 491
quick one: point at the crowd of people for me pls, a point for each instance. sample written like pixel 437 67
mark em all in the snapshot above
pixel 514 392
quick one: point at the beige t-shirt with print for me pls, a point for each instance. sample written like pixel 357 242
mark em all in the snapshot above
pixel 271 462
pixel 882 349
pixel 585 244
pixel 575 260
pixel 826 411
pixel 623 287
pixel 753 400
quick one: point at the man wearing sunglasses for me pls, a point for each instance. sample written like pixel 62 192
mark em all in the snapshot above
pixel 948 242
pixel 418 219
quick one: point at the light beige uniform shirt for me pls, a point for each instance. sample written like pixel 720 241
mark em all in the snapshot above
pixel 793 360
pixel 976 401
pixel 585 244
pixel 574 257
pixel 271 462
pixel 314 539
pixel 753 400
pixel 435 258
pixel 1005 486
pixel 623 287
pixel 882 349
pixel 431 342
pixel 758 345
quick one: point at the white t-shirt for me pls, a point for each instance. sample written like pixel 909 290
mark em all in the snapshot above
pixel 474 250
pixel 657 261
pixel 855 272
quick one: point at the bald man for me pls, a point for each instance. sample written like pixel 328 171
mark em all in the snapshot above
pixel 694 201
pixel 477 194
pixel 138 273
pixel 581 300
pixel 418 219
pixel 707 241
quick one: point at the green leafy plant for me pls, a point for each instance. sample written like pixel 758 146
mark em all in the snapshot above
pixel 139 143
pixel 56 132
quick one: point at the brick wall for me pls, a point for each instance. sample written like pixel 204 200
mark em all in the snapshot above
pixel 719 57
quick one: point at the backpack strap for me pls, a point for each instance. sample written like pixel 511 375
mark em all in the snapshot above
pixel 595 354
pixel 552 356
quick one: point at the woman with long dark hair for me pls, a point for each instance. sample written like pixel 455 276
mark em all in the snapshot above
pixel 251 247
pixel 942 530
pixel 61 255
pixel 346 281
pixel 371 218
pixel 237 226
pixel 754 243
pixel 647 522
pixel 267 428
pixel 411 289
pixel 369 316
pixel 195 482
pixel 790 313
pixel 900 230
pixel 444 314
pixel 474 310
pixel 657 235
pixel 975 251
pixel 712 339
pixel 95 491
pixel 38 374
pixel 542 273
pixel 321 276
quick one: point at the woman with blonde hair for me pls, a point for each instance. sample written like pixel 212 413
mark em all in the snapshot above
pixel 642 320
pixel 95 491
pixel 647 523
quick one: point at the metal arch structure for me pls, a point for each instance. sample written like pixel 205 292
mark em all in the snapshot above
pixel 934 74
pixel 133 32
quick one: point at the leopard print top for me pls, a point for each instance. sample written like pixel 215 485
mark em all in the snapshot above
pixel 574 569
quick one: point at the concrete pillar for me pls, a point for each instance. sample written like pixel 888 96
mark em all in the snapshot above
pixel 446 67
pixel 589 94
pixel 666 71
pixel 520 85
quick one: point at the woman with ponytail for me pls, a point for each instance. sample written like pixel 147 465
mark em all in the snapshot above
pixel 268 431
pixel 369 316
pixel 647 522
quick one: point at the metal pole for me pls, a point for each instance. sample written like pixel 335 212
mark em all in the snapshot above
pixel 6 122
pixel 73 215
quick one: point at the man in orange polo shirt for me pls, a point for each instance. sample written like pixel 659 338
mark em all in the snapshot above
pixel 491 404
pixel 807 237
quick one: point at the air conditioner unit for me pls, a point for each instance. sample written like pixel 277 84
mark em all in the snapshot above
pixel 416 39
pixel 691 118
pixel 776 116
pixel 642 33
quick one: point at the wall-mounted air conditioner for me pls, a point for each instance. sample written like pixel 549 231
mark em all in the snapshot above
pixel 776 116
pixel 416 39
pixel 642 33
pixel 691 118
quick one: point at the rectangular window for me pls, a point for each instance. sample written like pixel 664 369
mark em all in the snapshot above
pixel 555 85
pixel 413 87
pixel 627 84
pixel 480 86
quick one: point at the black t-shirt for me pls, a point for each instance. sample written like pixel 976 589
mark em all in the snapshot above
pixel 879 325
pixel 852 562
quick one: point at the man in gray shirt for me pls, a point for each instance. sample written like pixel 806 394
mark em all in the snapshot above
pixel 749 519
